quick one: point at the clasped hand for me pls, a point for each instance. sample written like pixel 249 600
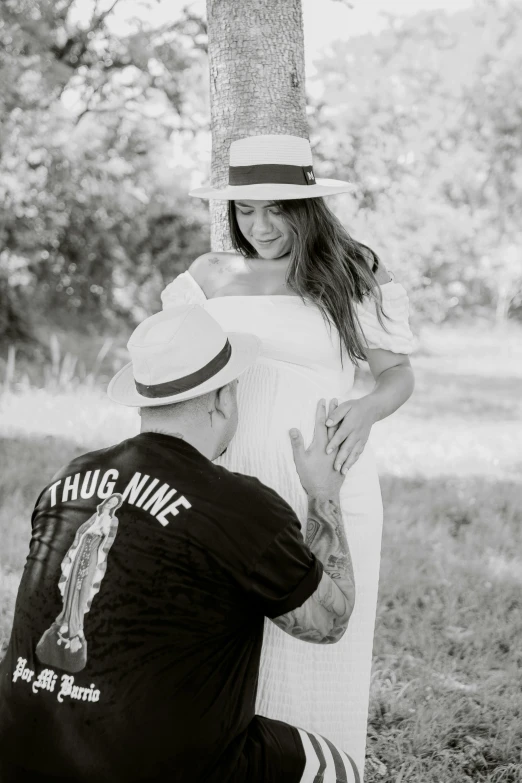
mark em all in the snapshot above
pixel 349 426
pixel 314 465
pixel 339 440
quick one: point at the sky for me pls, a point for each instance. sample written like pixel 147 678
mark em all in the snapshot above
pixel 329 20
pixel 324 20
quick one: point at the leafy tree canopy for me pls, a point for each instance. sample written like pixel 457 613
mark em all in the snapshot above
pixel 94 129
pixel 101 133
pixel 426 120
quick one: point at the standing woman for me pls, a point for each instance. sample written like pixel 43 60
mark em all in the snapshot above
pixel 319 301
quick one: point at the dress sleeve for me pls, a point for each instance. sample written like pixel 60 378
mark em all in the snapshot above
pixel 182 290
pixel 396 335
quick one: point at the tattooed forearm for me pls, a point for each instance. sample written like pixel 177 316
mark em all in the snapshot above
pixel 337 567
pixel 299 625
pixel 312 529
pixel 323 618
pixel 329 543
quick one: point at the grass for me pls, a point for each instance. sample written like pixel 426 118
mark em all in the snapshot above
pixel 447 661
pixel 447 677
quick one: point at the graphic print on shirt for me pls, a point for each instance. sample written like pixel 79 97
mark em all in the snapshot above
pixel 64 644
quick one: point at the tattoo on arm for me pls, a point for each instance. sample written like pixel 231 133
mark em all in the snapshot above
pixel 337 566
pixel 323 618
pixel 329 539
pixel 312 529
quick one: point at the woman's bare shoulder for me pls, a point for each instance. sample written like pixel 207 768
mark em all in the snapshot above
pixel 208 266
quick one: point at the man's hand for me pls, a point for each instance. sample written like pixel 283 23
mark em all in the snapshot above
pixel 314 466
pixel 324 616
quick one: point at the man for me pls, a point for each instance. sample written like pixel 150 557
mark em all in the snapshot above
pixel 138 625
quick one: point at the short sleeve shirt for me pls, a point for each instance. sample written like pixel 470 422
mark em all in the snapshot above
pixel 139 620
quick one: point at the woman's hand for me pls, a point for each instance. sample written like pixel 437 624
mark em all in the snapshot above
pixel 349 429
pixel 350 424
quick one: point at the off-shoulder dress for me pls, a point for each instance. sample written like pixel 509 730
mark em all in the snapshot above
pixel 322 688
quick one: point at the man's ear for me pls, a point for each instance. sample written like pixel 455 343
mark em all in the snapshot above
pixel 224 400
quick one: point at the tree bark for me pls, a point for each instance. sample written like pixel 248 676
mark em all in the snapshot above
pixel 257 82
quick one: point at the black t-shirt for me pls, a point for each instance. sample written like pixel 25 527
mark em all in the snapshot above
pixel 138 624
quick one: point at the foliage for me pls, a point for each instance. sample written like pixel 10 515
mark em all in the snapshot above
pixel 103 129
pixel 426 120
pixel 94 218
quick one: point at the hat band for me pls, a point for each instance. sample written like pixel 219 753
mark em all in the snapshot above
pixel 271 173
pixel 188 382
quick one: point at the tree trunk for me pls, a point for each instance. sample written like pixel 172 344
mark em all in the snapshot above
pixel 257 82
pixel 504 299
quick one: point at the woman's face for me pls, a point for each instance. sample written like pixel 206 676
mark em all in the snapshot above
pixel 265 227
pixel 111 503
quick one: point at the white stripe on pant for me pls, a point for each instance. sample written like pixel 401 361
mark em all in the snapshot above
pixel 325 763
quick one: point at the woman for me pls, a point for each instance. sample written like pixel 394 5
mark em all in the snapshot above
pixel 313 296
pixel 64 644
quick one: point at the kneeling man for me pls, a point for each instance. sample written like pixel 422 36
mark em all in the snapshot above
pixel 138 626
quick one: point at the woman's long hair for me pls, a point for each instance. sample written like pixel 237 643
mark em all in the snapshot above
pixel 326 266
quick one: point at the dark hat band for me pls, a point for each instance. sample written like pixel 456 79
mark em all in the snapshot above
pixel 271 173
pixel 188 382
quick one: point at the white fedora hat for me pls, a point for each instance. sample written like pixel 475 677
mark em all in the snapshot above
pixel 272 168
pixel 178 354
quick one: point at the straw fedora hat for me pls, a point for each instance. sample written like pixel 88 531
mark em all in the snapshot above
pixel 272 168
pixel 178 354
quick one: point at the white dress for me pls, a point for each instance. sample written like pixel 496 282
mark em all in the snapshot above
pixel 321 688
